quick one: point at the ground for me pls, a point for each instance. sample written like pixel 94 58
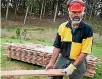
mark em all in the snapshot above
pixel 38 34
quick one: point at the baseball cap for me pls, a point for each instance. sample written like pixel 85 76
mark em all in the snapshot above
pixel 76 6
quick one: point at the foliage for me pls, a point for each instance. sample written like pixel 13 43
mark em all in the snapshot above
pixel 94 7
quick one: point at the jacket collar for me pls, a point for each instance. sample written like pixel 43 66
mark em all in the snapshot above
pixel 81 25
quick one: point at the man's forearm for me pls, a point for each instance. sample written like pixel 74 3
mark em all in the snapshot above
pixel 81 57
pixel 55 54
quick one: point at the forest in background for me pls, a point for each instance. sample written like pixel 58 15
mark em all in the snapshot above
pixel 47 9
pixel 48 12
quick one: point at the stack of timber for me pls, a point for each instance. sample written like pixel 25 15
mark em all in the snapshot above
pixel 41 54
pixel 31 53
pixel 91 65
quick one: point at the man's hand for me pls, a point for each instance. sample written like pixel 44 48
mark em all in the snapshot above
pixel 49 66
pixel 69 70
pixel 53 58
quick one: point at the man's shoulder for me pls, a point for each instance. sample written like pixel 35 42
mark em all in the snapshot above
pixel 87 30
pixel 63 25
pixel 87 26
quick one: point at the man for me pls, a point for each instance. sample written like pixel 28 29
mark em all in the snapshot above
pixel 73 42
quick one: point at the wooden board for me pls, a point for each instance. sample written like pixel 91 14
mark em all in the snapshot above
pixel 50 72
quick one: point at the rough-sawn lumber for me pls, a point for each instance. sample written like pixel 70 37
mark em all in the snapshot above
pixel 50 72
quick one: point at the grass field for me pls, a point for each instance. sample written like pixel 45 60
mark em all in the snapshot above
pixel 46 36
pixel 17 65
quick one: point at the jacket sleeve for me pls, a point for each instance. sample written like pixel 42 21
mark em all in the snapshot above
pixel 87 42
pixel 57 42
pixel 59 36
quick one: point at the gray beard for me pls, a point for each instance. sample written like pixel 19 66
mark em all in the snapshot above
pixel 76 22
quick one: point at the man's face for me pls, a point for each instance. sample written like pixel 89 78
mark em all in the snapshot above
pixel 76 16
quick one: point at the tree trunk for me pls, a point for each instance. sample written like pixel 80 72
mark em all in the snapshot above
pixel 91 14
pixel 32 3
pixel 53 4
pixel 7 10
pixel 27 10
pixel 15 9
pixel 44 9
pixel 41 10
pixel 85 15
pixel 55 12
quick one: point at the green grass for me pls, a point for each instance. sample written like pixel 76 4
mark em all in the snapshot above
pixel 15 65
pixel 11 40
pixel 97 50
